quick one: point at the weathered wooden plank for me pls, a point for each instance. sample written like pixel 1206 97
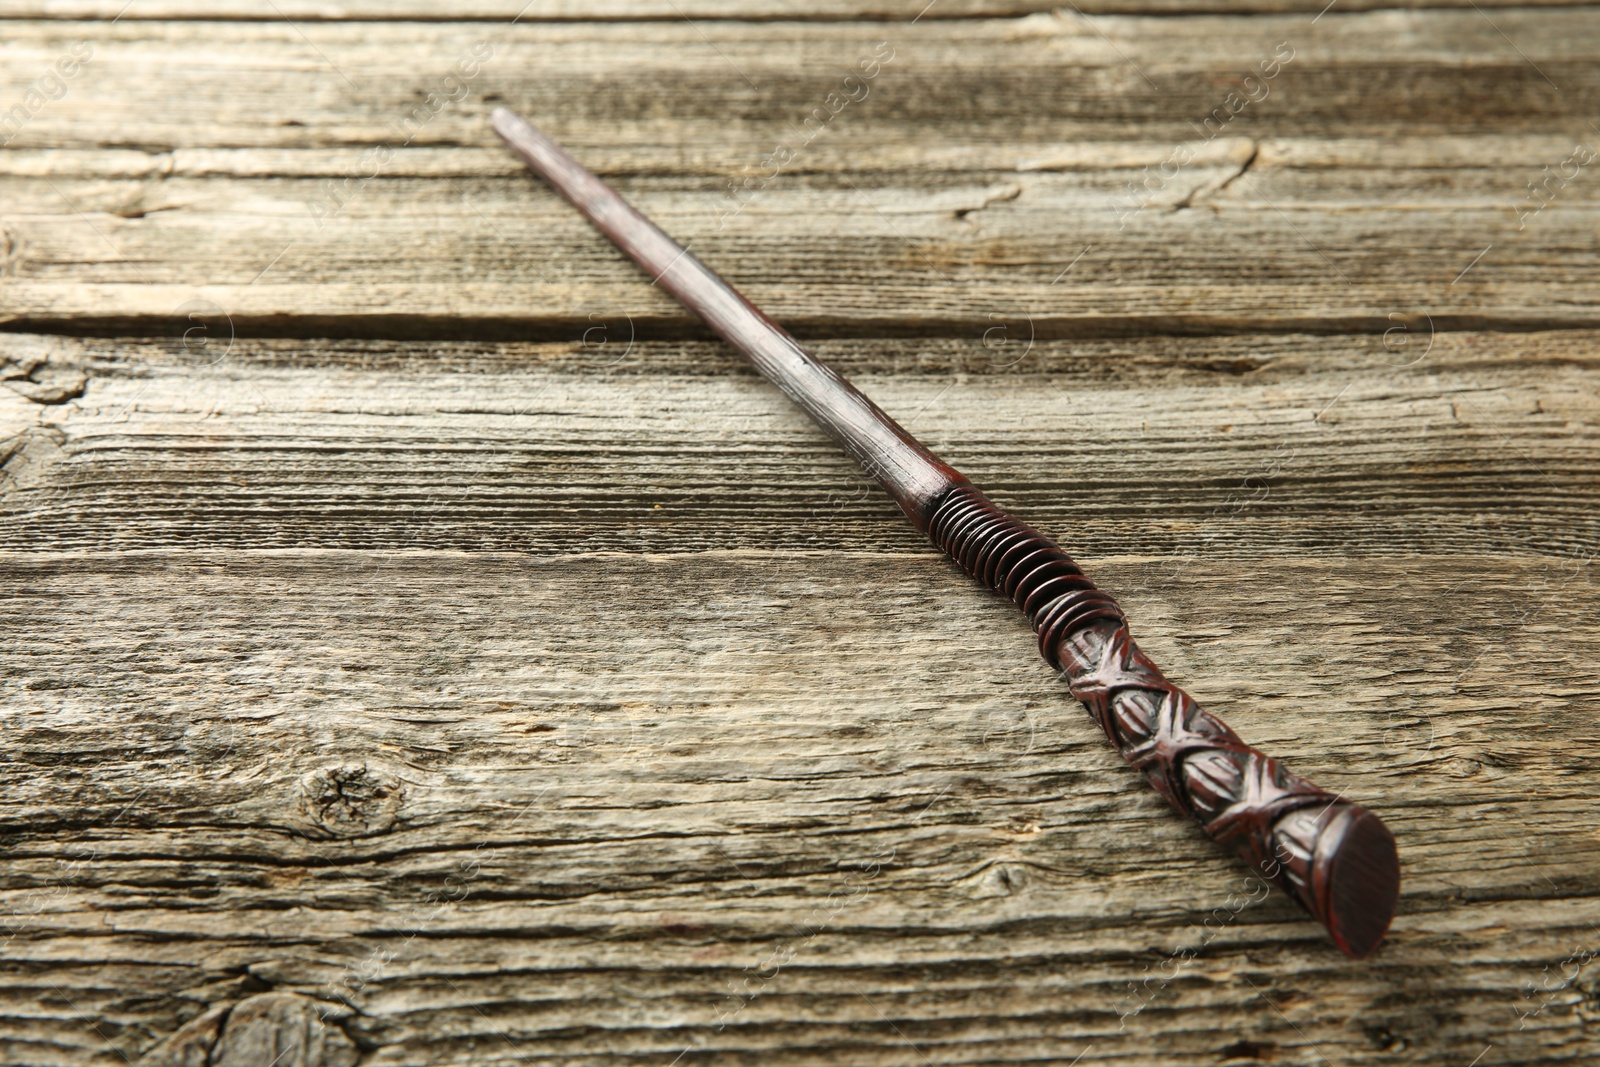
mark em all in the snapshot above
pixel 1232 447
pixel 730 91
pixel 1278 249
pixel 592 824
pixel 672 10
pixel 455 242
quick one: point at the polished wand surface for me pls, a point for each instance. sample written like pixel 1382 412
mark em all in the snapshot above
pixel 1334 857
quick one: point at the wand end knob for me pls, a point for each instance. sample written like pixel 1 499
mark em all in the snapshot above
pixel 1356 879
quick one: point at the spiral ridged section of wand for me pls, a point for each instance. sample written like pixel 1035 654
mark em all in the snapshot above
pixel 1335 858
pixel 1007 554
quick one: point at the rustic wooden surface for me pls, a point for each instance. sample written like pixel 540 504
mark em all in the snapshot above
pixel 424 646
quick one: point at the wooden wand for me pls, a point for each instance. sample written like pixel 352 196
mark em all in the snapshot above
pixel 1335 858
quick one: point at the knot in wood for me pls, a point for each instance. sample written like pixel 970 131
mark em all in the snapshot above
pixel 352 799
pixel 285 1030
pixel 280 1029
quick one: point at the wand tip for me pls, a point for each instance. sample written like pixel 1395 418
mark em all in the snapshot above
pixel 502 118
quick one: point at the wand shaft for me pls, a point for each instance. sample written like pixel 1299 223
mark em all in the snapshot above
pixel 1333 857
pixel 915 477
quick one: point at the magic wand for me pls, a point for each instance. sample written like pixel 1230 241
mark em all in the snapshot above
pixel 1335 858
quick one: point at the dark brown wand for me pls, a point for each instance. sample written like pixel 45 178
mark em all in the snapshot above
pixel 1335 858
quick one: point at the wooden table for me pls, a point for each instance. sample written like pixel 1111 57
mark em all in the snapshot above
pixel 412 654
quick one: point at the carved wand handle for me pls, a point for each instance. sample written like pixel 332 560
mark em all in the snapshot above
pixel 1335 858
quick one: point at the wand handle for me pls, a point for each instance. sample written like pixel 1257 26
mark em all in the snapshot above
pixel 1335 858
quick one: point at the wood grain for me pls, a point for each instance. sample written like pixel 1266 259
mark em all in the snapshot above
pixel 1233 446
pixel 636 812
pixel 498 259
pixel 196 552
pixel 718 93
pixel 357 708
pixel 1313 217
pixel 669 10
